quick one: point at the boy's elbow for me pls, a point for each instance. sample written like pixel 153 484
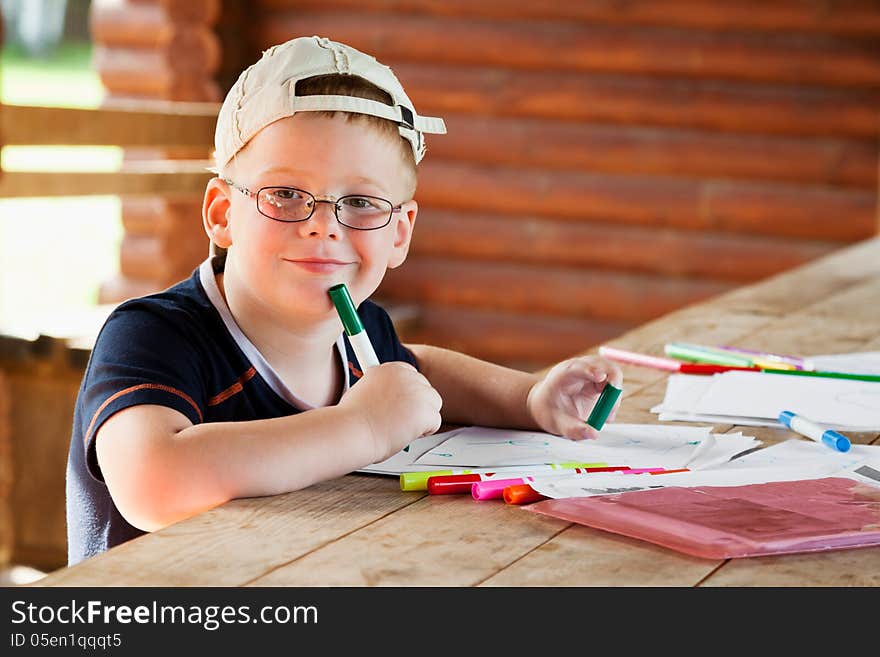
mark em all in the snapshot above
pixel 142 472
pixel 141 492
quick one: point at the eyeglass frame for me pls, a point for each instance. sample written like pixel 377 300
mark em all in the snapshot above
pixel 316 200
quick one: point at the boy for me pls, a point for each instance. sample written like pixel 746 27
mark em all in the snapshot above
pixel 238 382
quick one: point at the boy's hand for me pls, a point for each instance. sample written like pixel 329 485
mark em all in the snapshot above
pixel 561 402
pixel 398 404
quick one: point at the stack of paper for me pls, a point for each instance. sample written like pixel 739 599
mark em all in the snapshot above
pixel 632 445
pixel 754 398
pixel 792 460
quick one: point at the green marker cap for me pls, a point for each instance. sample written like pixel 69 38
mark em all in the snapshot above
pixel 345 307
pixel 603 406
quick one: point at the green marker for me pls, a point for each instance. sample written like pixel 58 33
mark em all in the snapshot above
pixel 603 406
pixel 354 329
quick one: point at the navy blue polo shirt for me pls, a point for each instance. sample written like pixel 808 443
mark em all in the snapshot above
pixel 180 348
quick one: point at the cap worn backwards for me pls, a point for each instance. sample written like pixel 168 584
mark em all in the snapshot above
pixel 266 92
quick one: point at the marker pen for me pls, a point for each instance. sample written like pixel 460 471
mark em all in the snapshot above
pixel 522 494
pixel 462 483
pixel 810 429
pixel 603 406
pixel 493 489
pixel 419 480
pixel 354 329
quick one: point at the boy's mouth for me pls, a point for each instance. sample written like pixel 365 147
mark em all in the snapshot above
pixel 319 265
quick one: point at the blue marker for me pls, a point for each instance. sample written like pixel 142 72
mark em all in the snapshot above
pixel 805 427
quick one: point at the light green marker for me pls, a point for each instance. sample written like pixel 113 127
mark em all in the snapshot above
pixel 700 354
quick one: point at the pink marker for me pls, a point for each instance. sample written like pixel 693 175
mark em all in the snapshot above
pixel 634 358
pixel 492 489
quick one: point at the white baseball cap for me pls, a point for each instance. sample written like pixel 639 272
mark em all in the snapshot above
pixel 266 92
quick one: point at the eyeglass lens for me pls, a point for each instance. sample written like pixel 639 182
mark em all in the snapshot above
pixel 289 204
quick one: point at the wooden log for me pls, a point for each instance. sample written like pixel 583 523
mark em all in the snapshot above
pixel 525 341
pixel 739 107
pixel 673 151
pixel 580 47
pixel 543 289
pixel 534 239
pixel 165 216
pixel 147 24
pixel 154 74
pixel 661 202
pixel 151 124
pixel 856 17
pixel 164 239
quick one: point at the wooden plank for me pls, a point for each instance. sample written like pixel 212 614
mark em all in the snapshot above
pixel 749 108
pixel 802 211
pixel 175 124
pixel 418 556
pixel 580 47
pixel 167 177
pixel 543 289
pixel 535 239
pixel 290 525
pixel 669 150
pixel 855 17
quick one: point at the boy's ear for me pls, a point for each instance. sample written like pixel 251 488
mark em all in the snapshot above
pixel 404 221
pixel 216 208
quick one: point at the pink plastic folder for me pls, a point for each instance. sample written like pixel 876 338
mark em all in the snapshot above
pixel 721 522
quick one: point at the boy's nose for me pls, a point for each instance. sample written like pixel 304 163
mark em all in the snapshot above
pixel 323 222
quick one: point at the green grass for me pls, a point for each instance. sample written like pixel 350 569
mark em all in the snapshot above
pixel 55 253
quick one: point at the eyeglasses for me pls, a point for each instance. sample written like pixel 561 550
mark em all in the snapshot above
pixel 290 205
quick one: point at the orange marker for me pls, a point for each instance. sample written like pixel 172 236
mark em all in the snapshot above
pixel 522 494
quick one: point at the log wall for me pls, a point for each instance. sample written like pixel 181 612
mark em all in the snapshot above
pixel 670 150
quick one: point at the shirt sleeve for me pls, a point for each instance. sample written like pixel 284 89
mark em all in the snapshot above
pixel 142 356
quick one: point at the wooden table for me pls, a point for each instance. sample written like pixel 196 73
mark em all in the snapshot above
pixel 361 530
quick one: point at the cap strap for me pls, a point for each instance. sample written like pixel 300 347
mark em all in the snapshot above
pixel 398 114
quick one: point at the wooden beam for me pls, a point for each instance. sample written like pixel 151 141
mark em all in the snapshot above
pixel 149 124
pixel 172 178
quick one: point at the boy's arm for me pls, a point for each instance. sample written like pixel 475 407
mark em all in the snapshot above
pixel 475 391
pixel 160 468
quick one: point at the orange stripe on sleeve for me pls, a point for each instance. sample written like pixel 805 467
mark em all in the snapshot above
pixel 141 386
pixel 233 389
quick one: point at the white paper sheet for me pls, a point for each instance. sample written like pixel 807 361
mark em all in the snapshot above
pixel 839 403
pixel 863 362
pixel 403 460
pixel 633 445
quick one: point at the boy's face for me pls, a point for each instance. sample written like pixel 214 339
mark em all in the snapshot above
pixel 287 268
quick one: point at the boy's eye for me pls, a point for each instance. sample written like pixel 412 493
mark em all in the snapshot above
pixel 285 194
pixel 360 202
